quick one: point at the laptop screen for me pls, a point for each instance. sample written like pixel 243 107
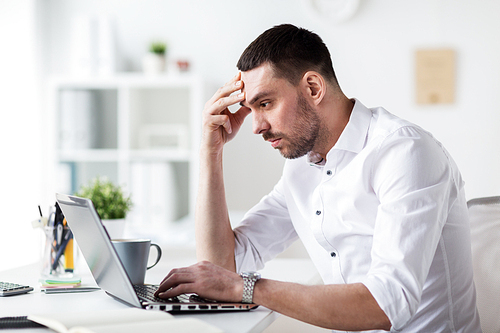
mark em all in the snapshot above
pixel 97 248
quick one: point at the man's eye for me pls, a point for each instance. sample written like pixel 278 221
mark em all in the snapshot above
pixel 264 104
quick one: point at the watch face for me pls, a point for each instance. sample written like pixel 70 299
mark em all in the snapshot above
pixel 251 275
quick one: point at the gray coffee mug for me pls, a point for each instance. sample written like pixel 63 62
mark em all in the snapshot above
pixel 134 255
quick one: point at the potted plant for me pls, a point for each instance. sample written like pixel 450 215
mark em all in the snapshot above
pixel 154 61
pixel 111 204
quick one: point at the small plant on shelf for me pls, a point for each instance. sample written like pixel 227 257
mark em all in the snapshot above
pixel 108 198
pixel 158 48
pixel 154 61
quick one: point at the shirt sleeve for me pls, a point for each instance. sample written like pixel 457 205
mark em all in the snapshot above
pixel 416 183
pixel 265 231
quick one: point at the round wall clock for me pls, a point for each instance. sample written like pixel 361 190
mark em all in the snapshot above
pixel 336 11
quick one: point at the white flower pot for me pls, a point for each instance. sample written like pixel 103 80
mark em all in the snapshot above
pixel 114 227
pixel 153 63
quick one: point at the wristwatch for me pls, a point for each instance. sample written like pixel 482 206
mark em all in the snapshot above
pixel 249 279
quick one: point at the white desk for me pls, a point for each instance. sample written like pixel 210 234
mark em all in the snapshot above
pixel 38 302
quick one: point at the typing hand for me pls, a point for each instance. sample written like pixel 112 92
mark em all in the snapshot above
pixel 205 279
pixel 219 124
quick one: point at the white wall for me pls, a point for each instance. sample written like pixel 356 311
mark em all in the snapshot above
pixel 373 57
pixel 21 177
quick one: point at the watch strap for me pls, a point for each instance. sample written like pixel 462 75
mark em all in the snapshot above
pixel 249 280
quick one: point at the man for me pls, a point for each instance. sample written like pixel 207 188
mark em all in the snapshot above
pixel 377 201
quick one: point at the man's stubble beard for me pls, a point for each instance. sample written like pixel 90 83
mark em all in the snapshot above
pixel 304 134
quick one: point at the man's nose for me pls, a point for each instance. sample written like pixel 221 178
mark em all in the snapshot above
pixel 260 124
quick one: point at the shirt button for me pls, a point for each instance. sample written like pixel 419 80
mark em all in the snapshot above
pixel 329 172
pixel 333 254
pixel 318 212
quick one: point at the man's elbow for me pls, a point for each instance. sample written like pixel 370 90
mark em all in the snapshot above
pixel 385 323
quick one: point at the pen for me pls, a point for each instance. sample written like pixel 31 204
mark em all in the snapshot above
pixel 69 290
pixel 41 222
pixel 51 219
pixel 60 251
pixel 59 234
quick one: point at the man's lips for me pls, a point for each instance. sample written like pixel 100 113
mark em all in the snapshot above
pixel 274 142
pixel 273 138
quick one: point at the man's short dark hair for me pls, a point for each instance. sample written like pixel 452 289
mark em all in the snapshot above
pixel 291 51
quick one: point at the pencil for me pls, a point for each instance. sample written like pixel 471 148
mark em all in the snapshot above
pixel 68 256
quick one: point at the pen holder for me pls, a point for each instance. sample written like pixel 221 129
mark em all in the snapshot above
pixel 58 253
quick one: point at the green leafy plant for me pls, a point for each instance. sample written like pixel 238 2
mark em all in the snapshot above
pixel 108 198
pixel 159 48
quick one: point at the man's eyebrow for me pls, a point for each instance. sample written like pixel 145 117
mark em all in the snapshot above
pixel 257 97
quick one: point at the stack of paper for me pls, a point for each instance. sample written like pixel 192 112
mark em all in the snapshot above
pixel 130 320
pixel 60 282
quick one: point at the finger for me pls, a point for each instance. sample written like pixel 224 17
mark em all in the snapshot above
pixel 185 288
pixel 235 120
pixel 221 120
pixel 173 271
pixel 240 115
pixel 230 87
pixel 177 277
pixel 234 84
pixel 235 78
pixel 223 103
pixel 173 280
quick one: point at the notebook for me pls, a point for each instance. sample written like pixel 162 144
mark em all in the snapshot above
pixel 109 273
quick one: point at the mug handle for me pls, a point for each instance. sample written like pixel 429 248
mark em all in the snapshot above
pixel 158 255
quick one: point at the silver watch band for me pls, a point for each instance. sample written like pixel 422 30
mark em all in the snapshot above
pixel 249 279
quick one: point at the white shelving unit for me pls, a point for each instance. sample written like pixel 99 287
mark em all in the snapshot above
pixel 142 132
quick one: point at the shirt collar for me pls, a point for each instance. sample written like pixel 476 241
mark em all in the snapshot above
pixel 315 159
pixel 353 137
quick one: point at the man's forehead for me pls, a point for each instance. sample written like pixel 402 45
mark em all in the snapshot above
pixel 257 80
pixel 257 75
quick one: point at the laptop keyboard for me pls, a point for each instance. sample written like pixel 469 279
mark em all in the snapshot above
pixel 184 302
pixel 146 292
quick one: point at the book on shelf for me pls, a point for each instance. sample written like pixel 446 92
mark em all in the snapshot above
pixel 77 127
pixel 129 320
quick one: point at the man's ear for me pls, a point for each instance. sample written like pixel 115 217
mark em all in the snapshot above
pixel 314 86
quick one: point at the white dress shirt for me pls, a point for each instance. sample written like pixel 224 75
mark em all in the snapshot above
pixel 386 209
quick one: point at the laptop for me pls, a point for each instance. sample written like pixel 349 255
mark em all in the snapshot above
pixel 109 273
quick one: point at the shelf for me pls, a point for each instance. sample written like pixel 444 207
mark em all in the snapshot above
pixel 89 155
pixel 174 155
pixel 114 155
pixel 141 131
pixel 130 79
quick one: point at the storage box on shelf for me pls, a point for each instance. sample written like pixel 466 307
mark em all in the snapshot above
pixel 140 131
